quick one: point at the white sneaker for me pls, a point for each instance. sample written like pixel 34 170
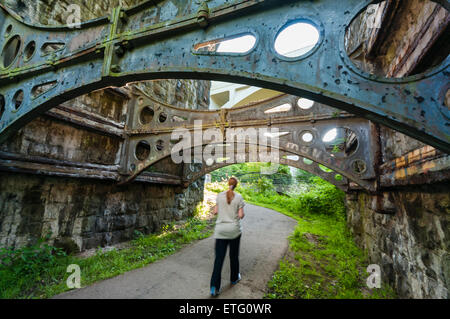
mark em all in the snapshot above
pixel 239 279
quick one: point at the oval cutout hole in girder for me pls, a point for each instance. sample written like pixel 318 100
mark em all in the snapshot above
pixel 29 51
pixel 294 158
pixel 11 51
pixel 307 161
pixel 279 109
pixel 18 99
pixel 297 39
pixel 42 88
pixel 143 150
pixel 305 104
pixel 146 115
pixel 178 119
pixel 162 117
pixel 8 30
pixel 51 47
pixel 241 44
pixel 276 135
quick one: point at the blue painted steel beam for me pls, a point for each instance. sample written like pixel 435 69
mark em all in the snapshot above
pixel 132 45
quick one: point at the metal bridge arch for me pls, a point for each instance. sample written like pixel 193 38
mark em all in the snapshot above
pixel 195 171
pixel 134 45
pixel 150 138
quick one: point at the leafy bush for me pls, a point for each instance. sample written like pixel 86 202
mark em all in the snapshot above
pixel 264 186
pixel 323 198
pixel 29 260
pixel 249 173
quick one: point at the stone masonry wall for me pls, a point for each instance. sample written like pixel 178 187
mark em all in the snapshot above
pixel 86 213
pixel 412 244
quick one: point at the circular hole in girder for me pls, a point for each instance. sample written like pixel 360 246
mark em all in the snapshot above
pixel 307 161
pixel 142 150
pixel 146 115
pixel 11 51
pixel 2 105
pixel 305 104
pixel 341 142
pixel 358 166
pixel 160 145
pixel 8 31
pixel 307 137
pixel 18 99
pixel 162 117
pixel 338 177
pixel 385 56
pixel 297 38
pixel 29 51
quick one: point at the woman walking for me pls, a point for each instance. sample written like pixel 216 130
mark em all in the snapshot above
pixel 230 208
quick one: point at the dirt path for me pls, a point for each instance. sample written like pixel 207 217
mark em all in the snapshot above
pixel 186 274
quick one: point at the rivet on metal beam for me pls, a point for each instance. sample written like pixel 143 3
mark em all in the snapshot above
pixel 116 68
pixel 203 14
pixel 123 17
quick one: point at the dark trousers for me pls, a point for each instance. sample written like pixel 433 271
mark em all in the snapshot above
pixel 221 250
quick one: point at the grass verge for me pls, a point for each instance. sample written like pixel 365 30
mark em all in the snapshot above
pixel 40 271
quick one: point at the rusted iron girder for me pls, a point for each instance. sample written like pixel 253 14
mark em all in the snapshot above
pixel 193 172
pixel 151 122
pixel 422 166
pixel 20 163
pixel 138 44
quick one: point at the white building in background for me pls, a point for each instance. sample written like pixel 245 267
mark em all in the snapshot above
pixel 228 95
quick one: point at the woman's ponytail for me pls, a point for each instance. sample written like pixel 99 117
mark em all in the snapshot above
pixel 232 182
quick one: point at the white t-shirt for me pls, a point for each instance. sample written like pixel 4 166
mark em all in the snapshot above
pixel 228 224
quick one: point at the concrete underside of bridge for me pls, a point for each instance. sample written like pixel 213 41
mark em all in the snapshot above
pixel 59 172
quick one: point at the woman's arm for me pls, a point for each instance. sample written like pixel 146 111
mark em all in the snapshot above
pixel 215 210
pixel 241 213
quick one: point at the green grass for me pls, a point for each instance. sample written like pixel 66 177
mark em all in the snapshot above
pixel 323 259
pixel 40 271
